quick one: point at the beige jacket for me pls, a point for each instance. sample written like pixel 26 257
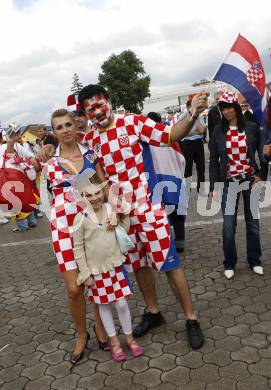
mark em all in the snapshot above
pixel 95 248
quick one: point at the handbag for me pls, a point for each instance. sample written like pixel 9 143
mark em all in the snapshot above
pixel 17 191
pixel 124 241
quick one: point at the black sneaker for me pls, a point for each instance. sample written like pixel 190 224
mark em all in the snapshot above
pixel 148 322
pixel 194 333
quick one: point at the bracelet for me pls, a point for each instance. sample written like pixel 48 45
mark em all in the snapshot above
pixel 193 116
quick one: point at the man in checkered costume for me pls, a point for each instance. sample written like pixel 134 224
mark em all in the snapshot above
pixel 118 143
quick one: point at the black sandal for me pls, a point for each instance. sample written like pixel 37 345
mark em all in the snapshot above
pixel 103 345
pixel 76 358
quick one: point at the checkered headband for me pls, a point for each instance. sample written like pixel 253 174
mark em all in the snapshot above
pixel 73 104
pixel 228 97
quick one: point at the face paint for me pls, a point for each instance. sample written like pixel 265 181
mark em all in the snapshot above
pixel 99 111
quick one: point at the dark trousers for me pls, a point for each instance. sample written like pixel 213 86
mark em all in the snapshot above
pixel 178 221
pixel 229 206
pixel 193 151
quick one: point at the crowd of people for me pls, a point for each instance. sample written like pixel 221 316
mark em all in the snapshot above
pixel 105 219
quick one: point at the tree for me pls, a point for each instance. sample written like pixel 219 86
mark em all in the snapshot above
pixel 76 85
pixel 124 78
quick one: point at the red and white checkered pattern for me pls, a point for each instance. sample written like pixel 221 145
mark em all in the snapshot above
pixel 109 287
pixel 229 97
pixel 150 233
pixel 119 150
pixel 254 75
pixel 238 162
pixel 65 206
pixel 73 103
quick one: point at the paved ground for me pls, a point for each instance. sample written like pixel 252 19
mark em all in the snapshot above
pixel 36 332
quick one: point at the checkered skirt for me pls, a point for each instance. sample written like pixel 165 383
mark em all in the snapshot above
pixel 109 287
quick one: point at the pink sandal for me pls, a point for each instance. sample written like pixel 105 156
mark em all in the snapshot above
pixel 117 356
pixel 135 349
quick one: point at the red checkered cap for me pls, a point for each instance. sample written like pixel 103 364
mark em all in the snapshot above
pixel 73 104
pixel 229 97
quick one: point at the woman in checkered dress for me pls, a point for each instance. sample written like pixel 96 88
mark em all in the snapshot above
pixel 100 260
pixel 71 160
pixel 232 162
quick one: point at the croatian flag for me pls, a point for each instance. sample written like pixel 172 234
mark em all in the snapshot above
pixel 242 68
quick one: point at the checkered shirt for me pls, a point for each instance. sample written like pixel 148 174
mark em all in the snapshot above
pixel 109 287
pixel 238 162
pixel 66 204
pixel 119 150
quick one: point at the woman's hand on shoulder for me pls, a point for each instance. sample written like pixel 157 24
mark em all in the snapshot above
pixel 47 151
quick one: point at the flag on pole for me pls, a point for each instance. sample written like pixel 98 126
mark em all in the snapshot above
pixel 242 68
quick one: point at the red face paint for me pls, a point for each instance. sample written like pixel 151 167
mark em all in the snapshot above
pixel 99 111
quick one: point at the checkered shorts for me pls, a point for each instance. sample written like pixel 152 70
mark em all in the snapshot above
pixel 109 287
pixel 150 232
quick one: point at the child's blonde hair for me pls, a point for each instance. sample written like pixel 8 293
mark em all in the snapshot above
pixel 95 183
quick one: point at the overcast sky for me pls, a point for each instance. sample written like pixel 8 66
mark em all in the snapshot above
pixel 44 42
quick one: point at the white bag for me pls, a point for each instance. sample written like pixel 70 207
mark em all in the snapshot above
pixel 124 241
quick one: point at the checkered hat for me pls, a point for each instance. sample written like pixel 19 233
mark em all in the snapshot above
pixel 73 104
pixel 228 97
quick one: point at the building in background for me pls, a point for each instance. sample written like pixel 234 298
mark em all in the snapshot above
pixel 175 101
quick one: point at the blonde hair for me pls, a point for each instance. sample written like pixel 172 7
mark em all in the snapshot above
pixel 59 113
pixel 95 179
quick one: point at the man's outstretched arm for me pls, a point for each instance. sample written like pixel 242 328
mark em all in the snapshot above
pixel 183 126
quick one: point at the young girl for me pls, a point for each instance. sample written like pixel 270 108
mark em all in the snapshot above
pixel 100 264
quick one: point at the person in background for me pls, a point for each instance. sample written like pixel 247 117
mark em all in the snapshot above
pixel 193 149
pixel 232 162
pixel 14 155
pixel 214 115
pixel 80 117
pixel 266 138
pixel 174 165
pixel 3 219
pixel 248 113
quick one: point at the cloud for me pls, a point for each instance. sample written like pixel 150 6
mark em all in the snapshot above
pixel 187 31
pixel 44 42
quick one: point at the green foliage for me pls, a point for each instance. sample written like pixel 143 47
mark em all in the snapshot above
pixel 126 81
pixel 76 85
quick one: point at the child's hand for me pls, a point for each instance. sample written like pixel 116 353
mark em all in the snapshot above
pixel 89 282
pixel 113 221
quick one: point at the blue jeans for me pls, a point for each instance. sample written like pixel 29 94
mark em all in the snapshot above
pixel 229 206
pixel 24 224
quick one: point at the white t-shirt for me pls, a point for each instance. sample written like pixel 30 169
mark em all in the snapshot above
pixel 22 153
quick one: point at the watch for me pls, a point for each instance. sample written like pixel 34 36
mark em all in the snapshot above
pixel 193 116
